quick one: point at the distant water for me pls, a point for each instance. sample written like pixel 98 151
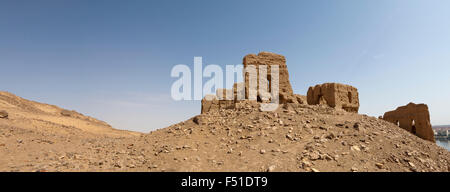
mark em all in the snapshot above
pixel 445 143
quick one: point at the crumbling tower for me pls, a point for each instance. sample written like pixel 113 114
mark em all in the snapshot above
pixel 286 95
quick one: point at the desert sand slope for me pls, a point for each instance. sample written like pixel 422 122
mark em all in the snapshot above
pixel 49 118
pixel 36 137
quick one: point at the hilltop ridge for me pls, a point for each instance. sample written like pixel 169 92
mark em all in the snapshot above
pixel 34 115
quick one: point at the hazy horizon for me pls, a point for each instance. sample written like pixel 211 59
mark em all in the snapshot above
pixel 112 59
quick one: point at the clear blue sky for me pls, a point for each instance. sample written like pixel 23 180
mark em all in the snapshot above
pixel 112 59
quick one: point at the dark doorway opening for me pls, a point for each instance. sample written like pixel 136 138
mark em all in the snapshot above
pixel 258 99
pixel 349 95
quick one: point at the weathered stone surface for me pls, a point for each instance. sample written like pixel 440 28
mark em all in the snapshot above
pixel 226 104
pixel 245 104
pixel 218 101
pixel 287 98
pixel 414 118
pixel 268 59
pixel 301 99
pixel 226 98
pixel 67 113
pixel 241 91
pixel 209 102
pixel 334 95
pixel 198 120
pixel 223 93
pixel 3 114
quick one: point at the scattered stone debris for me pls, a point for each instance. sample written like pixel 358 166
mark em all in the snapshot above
pixel 197 120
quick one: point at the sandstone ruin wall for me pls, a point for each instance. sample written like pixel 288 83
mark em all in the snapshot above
pixel 335 95
pixel 415 118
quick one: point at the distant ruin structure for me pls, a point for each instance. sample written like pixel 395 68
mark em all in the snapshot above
pixel 241 91
pixel 268 59
pixel 334 95
pixel 414 118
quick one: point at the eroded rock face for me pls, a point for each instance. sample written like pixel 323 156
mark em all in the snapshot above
pixel 334 95
pixel 414 118
pixel 301 99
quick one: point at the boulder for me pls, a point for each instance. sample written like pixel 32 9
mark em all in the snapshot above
pixel 198 120
pixel 67 113
pixel 3 114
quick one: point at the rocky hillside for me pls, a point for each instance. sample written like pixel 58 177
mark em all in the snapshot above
pixel 296 137
pixel 49 118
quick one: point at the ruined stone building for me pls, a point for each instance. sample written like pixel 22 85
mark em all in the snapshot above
pixel 286 95
pixel 414 118
pixel 267 59
pixel 334 95
pixel 218 101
